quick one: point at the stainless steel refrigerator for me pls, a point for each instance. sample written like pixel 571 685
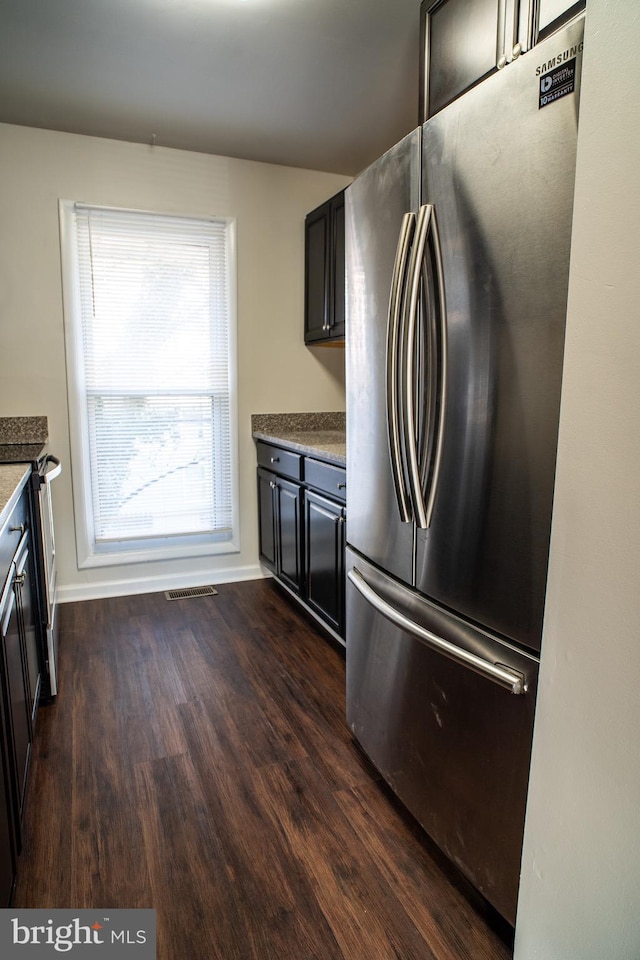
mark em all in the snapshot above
pixel 458 243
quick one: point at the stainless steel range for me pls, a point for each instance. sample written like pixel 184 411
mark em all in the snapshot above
pixel 46 469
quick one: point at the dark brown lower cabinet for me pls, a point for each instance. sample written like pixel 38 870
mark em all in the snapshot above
pixel 20 678
pixel 302 529
pixel 324 555
pixel 8 852
pixel 16 691
pixel 280 516
pixel 289 533
pixel 267 518
pixel 29 619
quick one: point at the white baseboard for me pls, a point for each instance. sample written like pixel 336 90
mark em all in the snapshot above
pixel 70 593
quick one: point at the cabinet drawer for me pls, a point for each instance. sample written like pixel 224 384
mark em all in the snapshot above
pixel 326 477
pixel 280 461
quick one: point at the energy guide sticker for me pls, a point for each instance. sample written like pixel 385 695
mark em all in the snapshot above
pixel 101 934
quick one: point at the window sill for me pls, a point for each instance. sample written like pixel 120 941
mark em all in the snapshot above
pixel 119 557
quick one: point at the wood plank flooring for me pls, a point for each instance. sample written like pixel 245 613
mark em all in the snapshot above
pixel 198 761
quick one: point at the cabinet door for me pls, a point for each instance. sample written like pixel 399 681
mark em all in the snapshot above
pixel 324 533
pixel 30 623
pixel 7 819
pixel 336 320
pixel 267 518
pixel 280 524
pixel 317 275
pixel 461 44
pixel 16 691
pixel 551 10
pixel 324 272
pixel 289 533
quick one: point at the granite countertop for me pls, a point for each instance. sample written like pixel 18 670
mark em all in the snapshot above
pixel 23 430
pixel 12 479
pixel 21 452
pixel 21 441
pixel 313 434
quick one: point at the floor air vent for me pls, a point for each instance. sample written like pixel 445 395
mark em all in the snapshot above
pixel 189 592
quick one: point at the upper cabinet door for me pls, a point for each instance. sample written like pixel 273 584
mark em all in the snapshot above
pixel 337 265
pixel 551 10
pixel 317 227
pixel 460 40
pixel 324 272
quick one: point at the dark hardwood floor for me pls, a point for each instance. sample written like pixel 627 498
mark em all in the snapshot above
pixel 198 761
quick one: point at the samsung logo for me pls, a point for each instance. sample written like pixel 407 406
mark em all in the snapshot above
pixel 567 54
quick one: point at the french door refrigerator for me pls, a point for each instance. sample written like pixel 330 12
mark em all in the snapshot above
pixel 458 244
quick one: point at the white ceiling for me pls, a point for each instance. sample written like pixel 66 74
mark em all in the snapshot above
pixel 322 84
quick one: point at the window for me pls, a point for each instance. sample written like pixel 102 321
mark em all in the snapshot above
pixel 150 344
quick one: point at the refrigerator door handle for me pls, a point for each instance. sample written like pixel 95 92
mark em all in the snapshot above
pixel 394 334
pixel 439 321
pixel 426 233
pixel 409 366
pixel 505 677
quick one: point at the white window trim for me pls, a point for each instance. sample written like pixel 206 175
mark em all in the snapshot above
pixel 163 548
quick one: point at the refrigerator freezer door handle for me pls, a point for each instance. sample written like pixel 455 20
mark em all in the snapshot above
pixel 394 333
pixel 509 679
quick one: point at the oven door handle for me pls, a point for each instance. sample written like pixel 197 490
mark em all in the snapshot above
pixel 48 475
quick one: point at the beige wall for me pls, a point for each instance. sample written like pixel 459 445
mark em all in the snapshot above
pixel 580 889
pixel 276 371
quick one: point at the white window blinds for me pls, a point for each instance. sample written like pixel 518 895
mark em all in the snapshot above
pixel 156 381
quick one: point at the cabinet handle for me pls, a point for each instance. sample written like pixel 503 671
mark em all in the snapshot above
pixel 272 484
pixel 342 486
pixel 19 529
pixel 274 459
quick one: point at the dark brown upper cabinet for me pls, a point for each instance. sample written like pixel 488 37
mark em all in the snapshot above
pixel 464 41
pixel 324 273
